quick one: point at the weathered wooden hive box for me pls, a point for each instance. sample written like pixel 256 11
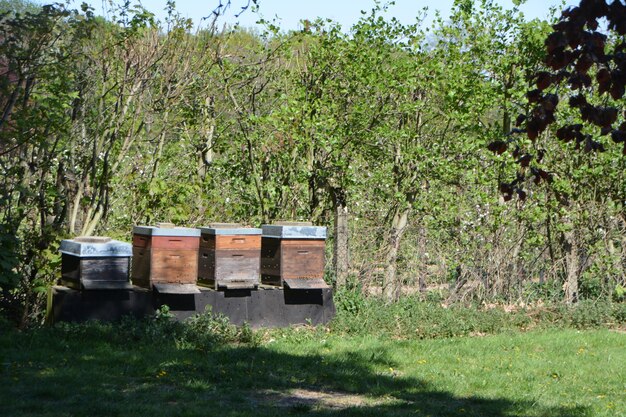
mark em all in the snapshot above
pixel 230 256
pixel 166 258
pixel 292 255
pixel 95 263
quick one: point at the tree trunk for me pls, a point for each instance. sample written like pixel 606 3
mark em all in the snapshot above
pixel 391 284
pixel 423 260
pixel 572 265
pixel 616 258
pixel 341 253
pixel 207 132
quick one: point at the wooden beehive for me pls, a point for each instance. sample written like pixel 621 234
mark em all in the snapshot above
pixel 166 258
pixel 292 255
pixel 95 263
pixel 230 256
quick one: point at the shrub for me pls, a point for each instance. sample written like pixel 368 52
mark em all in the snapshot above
pixel 588 314
pixel 412 317
pixel 206 330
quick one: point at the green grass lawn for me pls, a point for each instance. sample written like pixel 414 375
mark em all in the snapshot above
pixel 106 371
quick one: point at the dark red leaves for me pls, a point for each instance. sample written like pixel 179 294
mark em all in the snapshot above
pixel 540 175
pixel 604 116
pixel 568 133
pixel 579 56
pixel 544 80
pixel 618 136
pixel 556 41
pixel 549 102
pixel 604 78
pixel 592 146
pixel 584 63
pixel 617 90
pixel 579 80
pixel 577 101
pixel 507 191
pixel 498 147
pixel 533 96
pixel 540 154
pixel 533 127
pixel 617 17
pixel 524 161
pixel 605 130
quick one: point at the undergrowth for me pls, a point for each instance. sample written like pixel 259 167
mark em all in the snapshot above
pixel 414 317
pixel 202 332
pixel 410 318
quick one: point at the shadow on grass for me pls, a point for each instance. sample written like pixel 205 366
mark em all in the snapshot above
pixel 95 370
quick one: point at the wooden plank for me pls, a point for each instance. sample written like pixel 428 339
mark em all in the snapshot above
pixel 302 261
pixel 141 241
pixel 238 285
pixel 237 266
pixel 238 242
pixel 206 264
pixel 270 258
pixel 305 283
pixel 106 285
pixel 316 243
pixel 70 267
pixel 79 272
pixel 140 269
pixel 174 266
pixel 207 242
pixel 104 269
pixel 229 265
pixel 176 288
pixel 175 242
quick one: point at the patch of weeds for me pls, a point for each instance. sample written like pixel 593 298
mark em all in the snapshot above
pixel 416 318
pixel 351 301
pixel 619 293
pixel 589 314
pixel 549 291
pixel 203 331
pixel 619 313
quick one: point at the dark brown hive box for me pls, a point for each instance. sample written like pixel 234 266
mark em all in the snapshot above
pixel 230 256
pixel 166 258
pixel 292 255
pixel 95 263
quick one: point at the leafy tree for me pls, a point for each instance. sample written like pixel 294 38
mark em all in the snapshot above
pixel 584 53
pixel 36 93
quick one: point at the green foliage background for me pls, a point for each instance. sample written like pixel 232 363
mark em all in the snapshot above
pixel 111 123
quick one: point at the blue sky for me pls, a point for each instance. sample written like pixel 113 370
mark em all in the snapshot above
pixel 346 12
